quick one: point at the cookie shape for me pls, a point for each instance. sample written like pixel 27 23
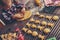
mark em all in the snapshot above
pixel 29 32
pixel 41 37
pixel 10 36
pixel 55 18
pixel 49 17
pixel 14 35
pixel 44 23
pixel 47 30
pixel 28 25
pixel 37 21
pixel 42 16
pixel 34 33
pixel 6 35
pixel 32 20
pixel 40 27
pixel 24 29
pixel 33 26
pixel 2 36
pixel 51 25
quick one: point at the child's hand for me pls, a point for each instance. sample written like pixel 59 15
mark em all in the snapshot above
pixel 23 10
pixel 8 3
pixel 57 3
pixel 18 16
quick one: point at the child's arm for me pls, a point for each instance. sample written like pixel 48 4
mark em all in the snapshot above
pixel 57 3
pixel 8 3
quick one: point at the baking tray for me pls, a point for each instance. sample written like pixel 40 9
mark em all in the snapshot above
pixel 54 31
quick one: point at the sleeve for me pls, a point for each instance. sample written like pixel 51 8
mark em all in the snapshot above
pixel 2 22
pixel 6 18
pixel 1 19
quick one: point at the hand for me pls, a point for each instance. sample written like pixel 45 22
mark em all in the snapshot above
pixel 23 10
pixel 57 3
pixel 18 16
pixel 8 4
